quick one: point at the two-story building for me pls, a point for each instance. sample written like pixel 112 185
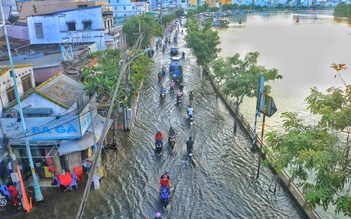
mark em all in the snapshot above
pixel 61 121
pixel 73 27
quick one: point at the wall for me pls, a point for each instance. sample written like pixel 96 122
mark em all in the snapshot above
pixel 17 32
pixel 55 29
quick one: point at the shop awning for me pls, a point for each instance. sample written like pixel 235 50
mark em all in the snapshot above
pixel 87 141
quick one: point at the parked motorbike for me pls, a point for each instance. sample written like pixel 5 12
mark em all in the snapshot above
pixel 164 195
pixel 158 145
pixel 172 142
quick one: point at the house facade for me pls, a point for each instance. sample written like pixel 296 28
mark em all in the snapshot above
pixel 61 121
pixel 75 26
pixel 123 9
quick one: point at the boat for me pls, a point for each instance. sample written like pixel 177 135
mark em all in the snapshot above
pixel 220 23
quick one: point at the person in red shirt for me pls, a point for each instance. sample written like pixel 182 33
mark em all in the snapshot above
pixel 164 182
pixel 159 137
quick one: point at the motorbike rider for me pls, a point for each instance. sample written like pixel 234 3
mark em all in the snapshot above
pixel 189 145
pixel 183 55
pixel 179 95
pixel 159 137
pixel 171 132
pixel 158 216
pixel 190 111
pixel 159 76
pixel 164 182
pixel 191 97
pixel 162 90
pixel 163 70
pixel 166 174
pixel 181 87
pixel 172 85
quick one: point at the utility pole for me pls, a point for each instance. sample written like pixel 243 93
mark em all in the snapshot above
pixel 38 194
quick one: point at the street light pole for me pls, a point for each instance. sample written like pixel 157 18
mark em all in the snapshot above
pixel 38 195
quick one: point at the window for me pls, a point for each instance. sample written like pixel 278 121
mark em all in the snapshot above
pixel 87 25
pixel 11 94
pixel 39 33
pixel 124 8
pixel 71 26
pixel 26 83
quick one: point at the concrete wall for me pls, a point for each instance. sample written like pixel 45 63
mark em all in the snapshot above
pixel 55 28
pixel 17 32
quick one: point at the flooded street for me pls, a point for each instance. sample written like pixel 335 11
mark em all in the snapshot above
pixel 222 185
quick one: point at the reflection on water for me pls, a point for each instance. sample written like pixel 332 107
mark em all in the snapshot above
pixel 302 52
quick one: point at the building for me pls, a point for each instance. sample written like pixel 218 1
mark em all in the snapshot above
pixel 83 25
pixel 123 9
pixel 61 120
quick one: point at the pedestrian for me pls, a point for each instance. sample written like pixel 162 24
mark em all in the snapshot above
pixel 191 97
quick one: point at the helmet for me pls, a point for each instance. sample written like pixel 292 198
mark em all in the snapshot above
pixel 166 172
pixel 190 138
pixel 158 214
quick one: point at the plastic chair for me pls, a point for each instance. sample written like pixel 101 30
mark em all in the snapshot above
pixel 57 182
pixel 74 181
pixel 5 191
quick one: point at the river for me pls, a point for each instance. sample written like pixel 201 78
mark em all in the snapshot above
pixel 302 52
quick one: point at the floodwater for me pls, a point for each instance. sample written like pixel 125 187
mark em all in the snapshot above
pixel 223 183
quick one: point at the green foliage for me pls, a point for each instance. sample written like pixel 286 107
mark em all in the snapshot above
pixel 203 41
pixel 342 10
pixel 321 150
pixel 101 79
pixel 166 19
pixel 179 13
pixel 145 25
pixel 239 78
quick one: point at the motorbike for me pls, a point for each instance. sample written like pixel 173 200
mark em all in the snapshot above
pixel 164 195
pixel 179 100
pixel 190 152
pixel 163 72
pixel 163 95
pixel 172 90
pixel 172 142
pixel 158 145
pixel 191 119
pixel 3 201
pixel 160 77
pixel 183 56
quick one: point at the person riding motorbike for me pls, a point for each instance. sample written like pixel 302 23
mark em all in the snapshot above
pixel 158 216
pixel 164 182
pixel 183 55
pixel 159 137
pixel 189 145
pixel 171 133
pixel 163 69
pixel 159 76
pixel 191 97
pixel 190 111
pixel 162 90
pixel 181 87
pixel 172 86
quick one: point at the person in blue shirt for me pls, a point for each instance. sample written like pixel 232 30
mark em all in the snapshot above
pixel 190 111
pixel 162 90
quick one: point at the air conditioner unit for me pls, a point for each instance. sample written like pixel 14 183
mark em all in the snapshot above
pixel 11 115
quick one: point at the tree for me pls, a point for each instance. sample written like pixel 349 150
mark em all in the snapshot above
pixel 179 13
pixel 203 41
pixel 101 79
pixel 142 25
pixel 321 149
pixel 239 78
